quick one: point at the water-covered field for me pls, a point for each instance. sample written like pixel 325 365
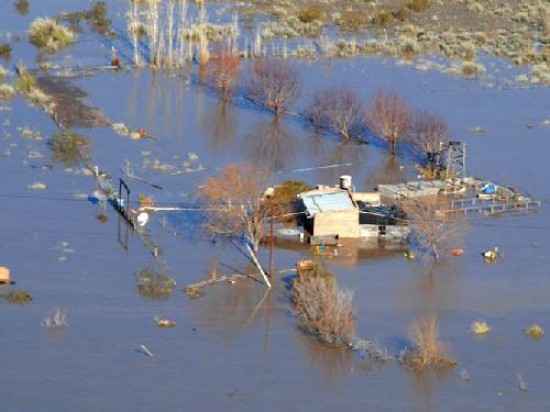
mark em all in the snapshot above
pixel 238 347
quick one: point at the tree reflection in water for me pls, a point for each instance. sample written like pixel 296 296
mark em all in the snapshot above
pixel 222 124
pixel 335 362
pixel 389 172
pixel 272 145
pixel 228 309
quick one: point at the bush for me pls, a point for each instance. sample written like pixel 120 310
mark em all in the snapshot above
pixel 6 92
pixel 5 50
pixel 428 351
pixel 49 36
pixel 534 331
pixel 154 284
pixel 310 14
pixel 26 81
pixel 18 297
pixel 472 69
pixel 479 327
pixel 419 5
pixel 68 147
pixel 323 309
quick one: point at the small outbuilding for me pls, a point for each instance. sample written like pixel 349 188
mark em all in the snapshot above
pixel 339 212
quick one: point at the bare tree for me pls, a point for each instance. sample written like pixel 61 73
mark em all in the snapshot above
pixel 236 208
pixel 223 71
pixel 336 109
pixel 428 131
pixel 273 83
pixel 388 116
pixel 433 232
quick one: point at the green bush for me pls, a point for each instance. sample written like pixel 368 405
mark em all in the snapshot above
pixel 5 50
pixel 49 36
pixel 18 297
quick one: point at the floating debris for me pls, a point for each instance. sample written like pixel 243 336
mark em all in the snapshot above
pixel 477 129
pixel 37 186
pixel 479 327
pixel 164 323
pixel 457 252
pixel 5 276
pixel 146 351
pixel 193 292
pixel 57 320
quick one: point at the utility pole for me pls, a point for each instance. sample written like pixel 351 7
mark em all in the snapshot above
pixel 271 239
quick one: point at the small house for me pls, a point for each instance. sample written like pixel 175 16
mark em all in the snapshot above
pixel 339 212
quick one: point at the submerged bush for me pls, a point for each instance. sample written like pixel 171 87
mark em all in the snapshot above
pixel 323 309
pixel 427 351
pixel 479 327
pixel 18 297
pixel 6 92
pixel 26 81
pixel 49 36
pixel 68 147
pixel 154 284
pixel 5 50
pixel 534 331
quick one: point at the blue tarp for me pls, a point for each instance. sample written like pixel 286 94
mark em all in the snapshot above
pixel 489 188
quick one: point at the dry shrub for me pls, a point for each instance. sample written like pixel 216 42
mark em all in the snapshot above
pixel 534 331
pixel 68 147
pixel 17 297
pixel 6 92
pixel 310 14
pixel 418 5
pixel 433 232
pixel 479 327
pixel 428 351
pixel 323 309
pixel 49 36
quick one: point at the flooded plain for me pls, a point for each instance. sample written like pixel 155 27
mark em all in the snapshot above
pixel 238 347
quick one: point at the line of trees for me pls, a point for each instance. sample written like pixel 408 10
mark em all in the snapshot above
pixel 275 85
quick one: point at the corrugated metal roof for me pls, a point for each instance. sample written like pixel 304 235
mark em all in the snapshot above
pixel 323 201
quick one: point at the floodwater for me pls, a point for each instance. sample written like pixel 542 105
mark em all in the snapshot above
pixel 238 347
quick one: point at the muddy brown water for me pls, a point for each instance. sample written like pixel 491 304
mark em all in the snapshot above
pixel 238 348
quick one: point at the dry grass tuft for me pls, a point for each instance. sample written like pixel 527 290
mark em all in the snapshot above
pixel 323 309
pixel 479 327
pixel 428 351
pixel 50 36
pixel 534 331
pixel 6 92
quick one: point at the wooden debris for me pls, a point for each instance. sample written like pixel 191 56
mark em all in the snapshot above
pixel 194 291
pixel 164 323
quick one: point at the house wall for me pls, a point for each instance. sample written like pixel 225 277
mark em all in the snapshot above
pixel 343 223
pixel 372 198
